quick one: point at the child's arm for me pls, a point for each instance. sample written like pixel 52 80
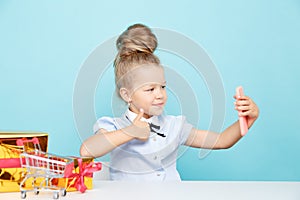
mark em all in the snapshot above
pixel 103 141
pixel 212 140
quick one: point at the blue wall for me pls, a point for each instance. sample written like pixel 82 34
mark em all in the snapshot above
pixel 43 45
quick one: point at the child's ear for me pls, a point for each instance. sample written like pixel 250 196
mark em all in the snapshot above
pixel 124 93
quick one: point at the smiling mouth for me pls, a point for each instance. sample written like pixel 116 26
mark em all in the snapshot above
pixel 158 104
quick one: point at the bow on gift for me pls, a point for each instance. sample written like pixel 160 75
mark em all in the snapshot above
pixel 84 171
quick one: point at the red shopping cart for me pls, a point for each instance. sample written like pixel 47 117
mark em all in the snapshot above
pixel 40 168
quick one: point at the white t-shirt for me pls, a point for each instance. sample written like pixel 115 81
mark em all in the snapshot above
pixel 154 159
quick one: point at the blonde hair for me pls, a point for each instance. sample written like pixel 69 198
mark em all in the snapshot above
pixel 135 47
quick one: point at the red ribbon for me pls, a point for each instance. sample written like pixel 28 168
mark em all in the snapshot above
pixel 84 171
pixel 10 163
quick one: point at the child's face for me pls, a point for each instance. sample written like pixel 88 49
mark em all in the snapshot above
pixel 148 91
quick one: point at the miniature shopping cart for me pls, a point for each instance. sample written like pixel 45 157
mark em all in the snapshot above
pixel 41 169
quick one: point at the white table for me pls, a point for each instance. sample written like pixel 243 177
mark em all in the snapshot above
pixel 233 190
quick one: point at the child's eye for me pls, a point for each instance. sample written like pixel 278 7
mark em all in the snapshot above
pixel 163 86
pixel 149 90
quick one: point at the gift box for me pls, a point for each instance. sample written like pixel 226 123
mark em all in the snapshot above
pixel 80 176
pixel 11 173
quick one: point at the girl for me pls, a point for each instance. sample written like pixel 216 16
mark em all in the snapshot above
pixel 144 142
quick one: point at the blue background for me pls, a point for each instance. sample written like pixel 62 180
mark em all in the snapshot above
pixel 43 45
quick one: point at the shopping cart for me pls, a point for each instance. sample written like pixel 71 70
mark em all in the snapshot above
pixel 41 169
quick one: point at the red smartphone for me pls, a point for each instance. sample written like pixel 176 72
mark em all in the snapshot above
pixel 242 120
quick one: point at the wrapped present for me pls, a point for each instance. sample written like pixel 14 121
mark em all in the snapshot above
pixel 80 176
pixel 11 173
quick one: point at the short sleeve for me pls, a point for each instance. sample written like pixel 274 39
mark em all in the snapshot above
pixel 106 123
pixel 185 129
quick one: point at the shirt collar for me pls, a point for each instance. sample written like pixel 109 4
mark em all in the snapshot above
pixel 157 120
pixel 131 116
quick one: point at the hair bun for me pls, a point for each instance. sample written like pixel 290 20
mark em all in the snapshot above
pixel 137 38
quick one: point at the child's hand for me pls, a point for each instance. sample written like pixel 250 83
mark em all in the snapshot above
pixel 248 107
pixel 139 129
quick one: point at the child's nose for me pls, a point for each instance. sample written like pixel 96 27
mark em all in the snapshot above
pixel 159 92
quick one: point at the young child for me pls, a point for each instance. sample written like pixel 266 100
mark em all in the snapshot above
pixel 144 142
